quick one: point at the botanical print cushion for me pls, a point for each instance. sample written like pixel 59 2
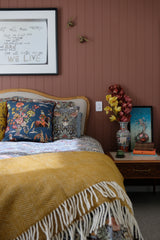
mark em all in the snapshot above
pixel 29 121
pixel 78 124
pixel 67 123
pixel 65 105
pixel 3 119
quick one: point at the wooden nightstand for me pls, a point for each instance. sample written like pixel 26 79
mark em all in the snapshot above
pixel 138 167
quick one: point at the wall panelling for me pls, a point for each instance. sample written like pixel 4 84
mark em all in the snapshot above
pixel 123 47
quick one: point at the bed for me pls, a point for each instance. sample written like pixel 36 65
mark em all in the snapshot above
pixel 55 181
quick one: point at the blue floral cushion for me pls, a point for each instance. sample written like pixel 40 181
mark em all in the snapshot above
pixel 29 121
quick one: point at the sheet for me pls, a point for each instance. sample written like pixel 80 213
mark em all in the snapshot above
pixel 16 149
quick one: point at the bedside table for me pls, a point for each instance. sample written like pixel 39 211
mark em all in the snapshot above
pixel 138 167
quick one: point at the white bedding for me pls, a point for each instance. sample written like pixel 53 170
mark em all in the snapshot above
pixel 16 149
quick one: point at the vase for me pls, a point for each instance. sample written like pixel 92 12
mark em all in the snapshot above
pixel 123 137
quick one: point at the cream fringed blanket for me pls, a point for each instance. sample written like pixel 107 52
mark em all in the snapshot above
pixel 51 195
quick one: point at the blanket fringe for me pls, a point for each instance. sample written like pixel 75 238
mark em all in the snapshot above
pixel 66 214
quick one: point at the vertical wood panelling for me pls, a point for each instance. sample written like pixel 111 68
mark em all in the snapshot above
pixel 23 83
pixel 115 34
pixel 123 48
pixel 90 53
pixel 98 51
pixel 107 69
pixel 140 52
pixel 156 71
pixel 98 47
pixel 72 48
pixel 148 67
pixel 81 48
pixel 123 43
pixel 90 63
pixel 14 82
pixel 31 81
pixel 132 34
pixel 48 86
pixel 64 41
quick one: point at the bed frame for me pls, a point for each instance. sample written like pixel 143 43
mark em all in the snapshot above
pixel 80 101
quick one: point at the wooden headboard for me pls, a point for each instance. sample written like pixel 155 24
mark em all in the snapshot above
pixel 80 101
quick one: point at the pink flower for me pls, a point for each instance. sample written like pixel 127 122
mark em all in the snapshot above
pixel 19 120
pixel 124 105
pixel 14 126
pixel 124 119
pixel 121 92
pixel 121 113
pixel 127 111
pixel 7 128
pixel 19 104
pixel 129 105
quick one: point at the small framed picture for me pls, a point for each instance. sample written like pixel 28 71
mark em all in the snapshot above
pixel 141 125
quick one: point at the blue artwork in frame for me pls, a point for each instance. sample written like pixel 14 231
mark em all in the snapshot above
pixel 141 126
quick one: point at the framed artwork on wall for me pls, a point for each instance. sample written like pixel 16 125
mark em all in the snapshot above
pixel 28 41
pixel 141 125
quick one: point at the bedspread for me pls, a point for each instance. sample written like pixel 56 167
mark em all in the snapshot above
pixel 53 195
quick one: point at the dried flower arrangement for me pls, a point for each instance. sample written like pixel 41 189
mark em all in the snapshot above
pixel 119 104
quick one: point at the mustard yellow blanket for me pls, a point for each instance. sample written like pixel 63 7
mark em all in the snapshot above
pixel 50 195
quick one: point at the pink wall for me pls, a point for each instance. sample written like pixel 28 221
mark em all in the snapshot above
pixel 123 47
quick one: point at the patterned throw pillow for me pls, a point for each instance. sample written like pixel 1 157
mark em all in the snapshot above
pixel 3 114
pixel 3 119
pixel 66 122
pixel 29 121
pixel 78 124
pixel 68 105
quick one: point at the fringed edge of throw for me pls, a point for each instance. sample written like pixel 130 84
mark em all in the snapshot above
pixel 66 214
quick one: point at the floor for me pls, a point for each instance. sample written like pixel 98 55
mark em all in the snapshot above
pixel 146 207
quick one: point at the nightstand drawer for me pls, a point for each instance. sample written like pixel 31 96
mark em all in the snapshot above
pixel 141 170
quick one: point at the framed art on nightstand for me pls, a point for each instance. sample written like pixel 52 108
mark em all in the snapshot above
pixel 141 125
pixel 28 41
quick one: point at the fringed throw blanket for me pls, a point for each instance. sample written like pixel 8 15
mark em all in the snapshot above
pixel 55 195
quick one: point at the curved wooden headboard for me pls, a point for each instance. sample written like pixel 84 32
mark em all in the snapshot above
pixel 80 101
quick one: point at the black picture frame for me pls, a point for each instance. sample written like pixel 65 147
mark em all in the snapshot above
pixel 28 41
pixel 141 125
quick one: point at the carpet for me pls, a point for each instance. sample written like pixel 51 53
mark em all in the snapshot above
pixel 146 207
